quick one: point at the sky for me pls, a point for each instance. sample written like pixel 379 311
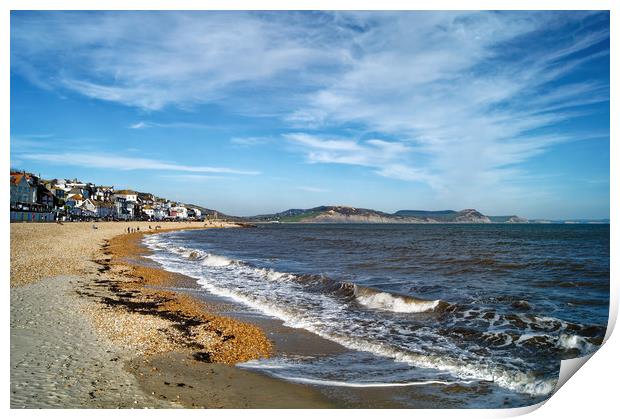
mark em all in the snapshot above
pixel 257 112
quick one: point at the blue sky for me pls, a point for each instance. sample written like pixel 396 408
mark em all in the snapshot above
pixel 256 112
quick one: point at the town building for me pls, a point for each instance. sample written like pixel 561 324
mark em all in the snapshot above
pixel 23 189
pixel 178 212
pixel 124 208
pixel 103 193
pixel 148 211
pixel 45 197
pixel 35 199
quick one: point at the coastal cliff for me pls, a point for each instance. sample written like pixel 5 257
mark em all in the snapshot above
pixel 344 214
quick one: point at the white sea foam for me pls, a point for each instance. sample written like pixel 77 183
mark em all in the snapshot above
pixel 215 260
pixel 513 380
pixel 574 342
pixel 388 302
pixel 289 302
pixel 272 275
pixel 510 379
pixel 334 383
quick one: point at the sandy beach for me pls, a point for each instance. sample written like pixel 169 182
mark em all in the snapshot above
pixel 93 325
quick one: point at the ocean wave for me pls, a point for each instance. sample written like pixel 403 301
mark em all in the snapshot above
pixel 215 260
pixel 206 259
pixel 335 383
pixel 366 296
pixel 315 303
pixel 381 300
pixel 510 379
pixel 574 342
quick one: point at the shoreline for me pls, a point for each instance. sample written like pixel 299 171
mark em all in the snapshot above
pixel 289 341
pixel 173 350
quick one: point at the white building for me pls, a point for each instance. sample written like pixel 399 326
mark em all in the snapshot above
pixel 149 211
pixel 127 195
pixel 178 212
pixel 88 207
pixel 160 213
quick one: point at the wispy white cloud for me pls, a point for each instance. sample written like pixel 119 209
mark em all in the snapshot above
pixel 43 142
pixel 150 124
pixel 120 162
pixel 312 189
pixel 36 136
pixel 388 159
pixel 465 114
pixel 138 125
pixel 249 141
pixel 174 58
pixel 193 178
pixel 455 100
pixel 27 143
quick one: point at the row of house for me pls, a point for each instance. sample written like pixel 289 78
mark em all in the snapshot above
pixel 36 199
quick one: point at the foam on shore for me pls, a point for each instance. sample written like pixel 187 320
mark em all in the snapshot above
pixel 322 306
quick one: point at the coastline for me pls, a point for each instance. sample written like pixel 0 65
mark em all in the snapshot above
pixel 165 348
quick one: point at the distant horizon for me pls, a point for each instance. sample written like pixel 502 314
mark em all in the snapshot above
pixel 505 112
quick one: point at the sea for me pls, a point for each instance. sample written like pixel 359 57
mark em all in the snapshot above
pixel 428 315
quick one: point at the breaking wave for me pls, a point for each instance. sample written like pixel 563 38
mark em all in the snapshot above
pixel 390 302
pixel 215 260
pixel 390 325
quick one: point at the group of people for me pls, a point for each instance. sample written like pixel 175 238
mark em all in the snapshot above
pixel 137 229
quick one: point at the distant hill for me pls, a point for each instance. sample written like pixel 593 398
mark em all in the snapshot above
pixel 507 219
pixel 343 214
pixel 447 215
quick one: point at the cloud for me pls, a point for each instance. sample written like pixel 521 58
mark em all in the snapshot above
pixel 25 143
pixel 138 125
pixel 154 59
pixel 459 101
pixel 387 158
pixel 311 189
pixel 188 125
pixel 36 136
pixel 249 141
pixel 119 162
pixel 28 142
pixel 468 96
pixel 193 178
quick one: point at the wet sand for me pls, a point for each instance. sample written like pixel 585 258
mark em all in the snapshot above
pixel 111 332
pixel 173 376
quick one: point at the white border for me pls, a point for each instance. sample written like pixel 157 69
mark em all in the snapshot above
pixel 590 394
